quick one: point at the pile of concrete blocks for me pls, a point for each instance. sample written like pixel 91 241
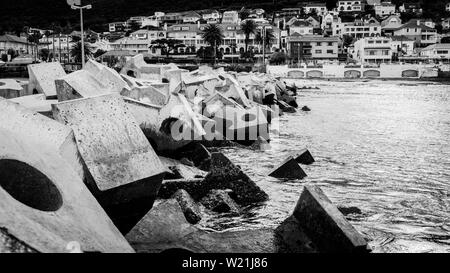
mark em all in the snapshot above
pixel 10 88
pixel 42 78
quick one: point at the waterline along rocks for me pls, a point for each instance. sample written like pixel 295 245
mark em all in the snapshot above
pixel 91 156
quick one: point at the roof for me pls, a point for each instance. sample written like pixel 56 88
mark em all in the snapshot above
pixel 438 47
pixel 413 24
pixel 401 38
pixel 13 39
pixel 301 23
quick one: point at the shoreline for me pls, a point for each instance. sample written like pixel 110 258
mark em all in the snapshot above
pixel 437 80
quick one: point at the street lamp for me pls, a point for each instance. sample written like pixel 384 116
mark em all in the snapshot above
pixel 76 4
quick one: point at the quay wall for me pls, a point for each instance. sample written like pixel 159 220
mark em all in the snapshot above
pixel 384 71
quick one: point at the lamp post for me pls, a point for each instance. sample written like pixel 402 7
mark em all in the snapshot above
pixel 76 4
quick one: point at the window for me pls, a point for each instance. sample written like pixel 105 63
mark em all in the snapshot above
pixel 330 51
pixel 319 43
pixel 442 52
pixel 318 51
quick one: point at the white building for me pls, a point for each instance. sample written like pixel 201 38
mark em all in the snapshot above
pixel 117 26
pixel 357 29
pixel 356 6
pixel 319 8
pixel 230 17
pixel 210 15
pixel 447 7
pixel 373 50
pixel 415 29
pixel 437 51
pixel 384 9
pixel 402 46
pixel 301 27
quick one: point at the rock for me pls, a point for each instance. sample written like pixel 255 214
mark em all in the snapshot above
pixel 42 78
pixel 190 209
pixel 10 88
pixel 325 225
pixel 290 100
pixel 260 144
pixel 36 103
pixel 304 157
pixel 187 162
pixel 306 109
pixel 123 171
pixel 223 175
pixel 180 170
pixel 288 169
pixel 219 201
pixel 195 152
pixel 286 107
pixel 80 84
pixel 165 229
pixel 349 210
pixel 44 204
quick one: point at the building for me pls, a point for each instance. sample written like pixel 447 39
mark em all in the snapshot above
pixel 313 47
pixel 373 50
pixel 437 51
pixel 390 24
pixel 447 7
pixel 189 35
pixel 231 17
pixel 328 20
pixel 317 8
pixel 402 46
pixel 18 44
pixel 172 18
pixel 373 2
pixel 256 14
pixel 117 26
pixel 138 20
pixel 446 23
pixel 190 17
pixel 131 45
pixel 411 8
pixel 418 31
pixel 210 15
pixel 59 45
pixel 358 29
pixel 288 12
pixel 301 27
pixel 351 6
pixel 384 9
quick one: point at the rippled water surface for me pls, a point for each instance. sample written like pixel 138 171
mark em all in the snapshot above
pixel 381 146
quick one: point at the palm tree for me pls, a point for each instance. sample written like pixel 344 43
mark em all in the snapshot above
pixel 268 40
pixel 244 14
pixel 213 35
pixel 34 38
pixel 75 51
pixel 249 28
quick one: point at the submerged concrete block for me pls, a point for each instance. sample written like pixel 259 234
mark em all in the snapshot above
pixel 80 84
pixel 41 130
pixel 325 225
pixel 126 172
pixel 45 206
pixel 304 157
pixel 42 78
pixel 219 201
pixel 288 169
pixel 182 171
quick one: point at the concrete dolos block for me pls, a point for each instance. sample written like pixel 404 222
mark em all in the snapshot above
pixel 109 77
pixel 126 172
pixel 325 225
pixel 304 157
pixel 80 84
pixel 43 76
pixel 41 130
pixel 44 205
pixel 288 169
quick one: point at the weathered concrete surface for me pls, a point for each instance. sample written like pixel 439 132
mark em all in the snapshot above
pixel 108 76
pixel 289 169
pixel 11 244
pixel 45 205
pixel 80 84
pixel 145 114
pixel 195 152
pixel 304 157
pixel 325 225
pixel 190 209
pixel 42 78
pixel 10 88
pixel 137 67
pixel 36 103
pixel 224 175
pixel 165 227
pixel 219 201
pixel 126 172
pixel 41 130
pixel 146 94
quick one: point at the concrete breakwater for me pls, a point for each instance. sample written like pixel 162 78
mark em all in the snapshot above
pixel 334 71
pixel 149 135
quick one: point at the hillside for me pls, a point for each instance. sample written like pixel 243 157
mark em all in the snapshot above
pixel 42 13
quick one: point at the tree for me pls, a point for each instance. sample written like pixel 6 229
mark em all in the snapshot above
pixel 167 45
pixel 35 38
pixel 268 39
pixel 76 54
pixel 244 14
pixel 213 35
pixel 44 54
pixel 278 58
pixel 347 40
pixel 249 28
pixel 99 53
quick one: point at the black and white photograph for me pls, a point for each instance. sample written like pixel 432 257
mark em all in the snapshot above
pixel 225 134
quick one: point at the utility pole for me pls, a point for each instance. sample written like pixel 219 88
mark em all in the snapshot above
pixel 264 44
pixel 76 4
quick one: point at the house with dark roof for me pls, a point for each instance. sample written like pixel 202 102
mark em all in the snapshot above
pixel 7 41
pixel 416 30
pixel 313 47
